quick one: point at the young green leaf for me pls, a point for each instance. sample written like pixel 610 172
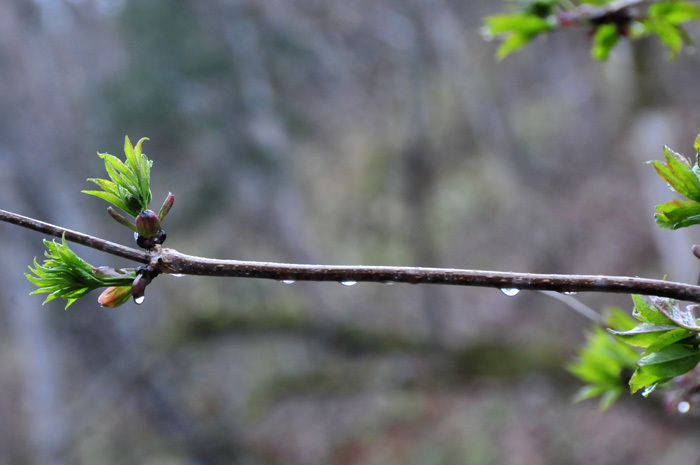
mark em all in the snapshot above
pixel 642 335
pixel 677 214
pixel 603 363
pixel 604 40
pixel 128 187
pixel 674 12
pixel 646 312
pixel 678 173
pixel 668 338
pixel 670 361
pixel 63 274
pixel 642 379
pixel 518 29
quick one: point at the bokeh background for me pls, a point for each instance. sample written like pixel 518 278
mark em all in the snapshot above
pixel 335 132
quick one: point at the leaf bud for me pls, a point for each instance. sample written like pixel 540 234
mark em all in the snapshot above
pixel 167 205
pixel 147 224
pixel 114 296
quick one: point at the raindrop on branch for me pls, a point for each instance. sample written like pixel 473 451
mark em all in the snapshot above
pixel 288 281
pixel 510 292
pixel 348 283
pixel 139 300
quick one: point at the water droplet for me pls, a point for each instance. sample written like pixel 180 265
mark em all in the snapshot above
pixel 288 281
pixel 139 300
pixel 570 293
pixel 177 275
pixel 348 283
pixel 649 389
pixel 510 292
pixel 683 407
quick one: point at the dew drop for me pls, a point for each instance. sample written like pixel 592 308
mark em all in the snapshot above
pixel 288 281
pixel 177 275
pixel 348 283
pixel 570 293
pixel 510 292
pixel 683 407
pixel 139 300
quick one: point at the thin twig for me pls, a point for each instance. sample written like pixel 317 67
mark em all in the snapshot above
pixel 77 237
pixel 577 306
pixel 171 261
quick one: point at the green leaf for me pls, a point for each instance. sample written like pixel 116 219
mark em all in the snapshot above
pixel 520 23
pixel 518 30
pixel 677 172
pixel 677 214
pixel 642 335
pixel 671 361
pixel 512 43
pixel 63 274
pixel 128 187
pixel 604 40
pixel 642 379
pixel 619 319
pixel 670 35
pixel 670 337
pixel 601 364
pixel 674 12
pixel 646 312
pixel 683 317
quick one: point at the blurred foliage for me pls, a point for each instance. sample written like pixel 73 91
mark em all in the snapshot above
pixel 605 363
pixel 607 19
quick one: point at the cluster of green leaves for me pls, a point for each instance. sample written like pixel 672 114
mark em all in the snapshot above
pixel 668 334
pixel 608 19
pixel 605 363
pixel 684 178
pixel 63 274
pixel 128 187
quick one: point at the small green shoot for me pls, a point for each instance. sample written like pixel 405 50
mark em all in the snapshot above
pixel 63 274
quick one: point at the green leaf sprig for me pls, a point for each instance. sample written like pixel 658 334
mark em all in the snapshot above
pixel 669 336
pixel 604 363
pixel 684 178
pixel 128 187
pixel 608 20
pixel 65 275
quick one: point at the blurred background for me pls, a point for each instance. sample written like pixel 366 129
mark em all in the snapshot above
pixel 366 132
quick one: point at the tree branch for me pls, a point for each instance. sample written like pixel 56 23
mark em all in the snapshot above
pixel 171 261
pixel 77 237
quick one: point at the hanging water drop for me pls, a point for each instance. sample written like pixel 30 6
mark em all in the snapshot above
pixel 683 407
pixel 348 283
pixel 510 292
pixel 288 281
pixel 139 300
pixel 570 293
pixel 177 275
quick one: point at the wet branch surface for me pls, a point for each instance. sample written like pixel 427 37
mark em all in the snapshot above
pixel 171 261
